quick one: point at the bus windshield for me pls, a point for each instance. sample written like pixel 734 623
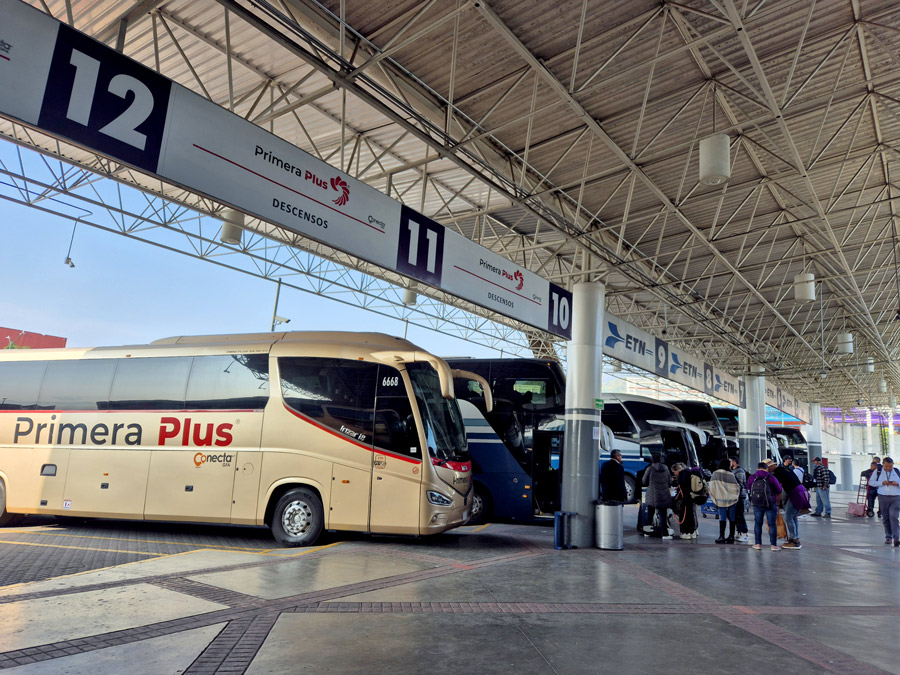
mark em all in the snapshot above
pixel 444 429
pixel 641 412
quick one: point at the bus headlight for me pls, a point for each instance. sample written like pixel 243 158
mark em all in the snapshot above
pixel 438 499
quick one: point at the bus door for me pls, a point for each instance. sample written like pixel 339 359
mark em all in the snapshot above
pixel 397 460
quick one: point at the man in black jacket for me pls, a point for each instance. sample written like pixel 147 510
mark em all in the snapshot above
pixel 612 478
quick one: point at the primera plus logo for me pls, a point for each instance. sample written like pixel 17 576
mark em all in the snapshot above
pixel 224 459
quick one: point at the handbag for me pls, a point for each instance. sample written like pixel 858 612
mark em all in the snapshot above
pixel 780 527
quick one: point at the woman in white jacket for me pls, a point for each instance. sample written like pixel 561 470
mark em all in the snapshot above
pixel 725 491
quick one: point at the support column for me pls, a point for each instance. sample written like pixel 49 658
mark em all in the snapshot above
pixel 752 420
pixel 584 379
pixel 870 447
pixel 848 480
pixel 814 432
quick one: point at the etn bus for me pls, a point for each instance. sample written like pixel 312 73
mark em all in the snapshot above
pixel 297 431
pixel 516 448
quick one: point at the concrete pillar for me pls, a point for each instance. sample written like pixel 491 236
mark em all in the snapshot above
pixel 814 432
pixel 584 379
pixel 848 480
pixel 752 420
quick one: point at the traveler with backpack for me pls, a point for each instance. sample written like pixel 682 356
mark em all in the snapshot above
pixel 823 496
pixel 741 507
pixel 887 481
pixel 764 490
pixel 789 483
pixel 659 495
pixel 725 491
pixel 684 503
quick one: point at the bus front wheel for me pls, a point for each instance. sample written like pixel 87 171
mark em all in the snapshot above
pixel 6 518
pixel 298 518
pixel 630 489
pixel 481 505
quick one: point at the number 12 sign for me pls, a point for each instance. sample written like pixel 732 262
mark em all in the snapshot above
pixel 104 100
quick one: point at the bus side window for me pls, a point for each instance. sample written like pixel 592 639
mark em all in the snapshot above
pixel 150 384
pixel 395 426
pixel 77 385
pixel 336 393
pixel 236 381
pixel 20 383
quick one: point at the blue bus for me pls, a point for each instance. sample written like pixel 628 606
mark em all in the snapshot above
pixel 517 447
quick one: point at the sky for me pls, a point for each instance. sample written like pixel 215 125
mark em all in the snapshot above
pixel 127 292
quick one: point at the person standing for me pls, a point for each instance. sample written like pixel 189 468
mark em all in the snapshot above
pixel 740 508
pixel 871 493
pixel 887 482
pixel 612 479
pixel 684 506
pixel 725 491
pixel 659 494
pixel 764 501
pixel 789 483
pixel 823 484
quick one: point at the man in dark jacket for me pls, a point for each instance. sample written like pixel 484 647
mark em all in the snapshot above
pixel 612 479
pixel 789 482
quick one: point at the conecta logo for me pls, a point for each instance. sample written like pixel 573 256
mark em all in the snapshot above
pixel 223 458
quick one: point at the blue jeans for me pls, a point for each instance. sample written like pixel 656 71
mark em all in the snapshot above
pixel 770 515
pixel 791 514
pixel 823 499
pixel 726 512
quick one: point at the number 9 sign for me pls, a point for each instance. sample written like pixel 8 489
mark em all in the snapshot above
pixel 98 97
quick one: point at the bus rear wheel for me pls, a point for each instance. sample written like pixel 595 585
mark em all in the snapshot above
pixel 6 518
pixel 298 518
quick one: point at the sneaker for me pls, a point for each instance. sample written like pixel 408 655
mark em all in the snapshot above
pixel 693 535
pixel 776 548
pixel 888 541
pixel 667 536
pixel 648 529
pixel 757 547
pixel 828 515
pixel 790 544
pixel 730 540
pixel 720 540
pixel 744 537
pixel 816 515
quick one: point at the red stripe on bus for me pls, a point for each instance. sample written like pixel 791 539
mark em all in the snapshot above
pixel 349 440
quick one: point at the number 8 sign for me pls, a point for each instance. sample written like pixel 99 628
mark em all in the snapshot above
pixel 100 98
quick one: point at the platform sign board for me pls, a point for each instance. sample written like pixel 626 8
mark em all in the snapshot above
pixel 637 347
pixel 59 80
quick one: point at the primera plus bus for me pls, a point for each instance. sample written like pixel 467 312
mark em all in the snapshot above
pixel 297 431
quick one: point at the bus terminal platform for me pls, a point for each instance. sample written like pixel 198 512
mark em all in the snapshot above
pixel 112 597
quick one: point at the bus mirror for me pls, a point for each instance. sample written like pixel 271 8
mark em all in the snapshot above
pixel 485 387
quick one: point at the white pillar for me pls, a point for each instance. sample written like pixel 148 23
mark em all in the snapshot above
pixel 870 447
pixel 814 432
pixel 584 377
pixel 752 420
pixel 889 420
pixel 847 477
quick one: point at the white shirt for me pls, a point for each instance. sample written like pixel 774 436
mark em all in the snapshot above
pixel 876 481
pixel 799 473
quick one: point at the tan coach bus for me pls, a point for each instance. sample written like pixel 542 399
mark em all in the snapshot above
pixel 297 431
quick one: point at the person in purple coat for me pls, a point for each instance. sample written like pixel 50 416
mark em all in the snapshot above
pixel 764 500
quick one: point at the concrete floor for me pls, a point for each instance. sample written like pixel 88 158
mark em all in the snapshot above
pixel 495 599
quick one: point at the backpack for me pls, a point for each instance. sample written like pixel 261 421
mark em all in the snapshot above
pixel 699 488
pixel 832 479
pixel 809 481
pixel 761 495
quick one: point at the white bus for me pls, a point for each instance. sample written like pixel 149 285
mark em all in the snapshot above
pixel 297 431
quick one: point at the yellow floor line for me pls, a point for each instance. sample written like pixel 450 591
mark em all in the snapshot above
pixel 479 529
pixel 76 548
